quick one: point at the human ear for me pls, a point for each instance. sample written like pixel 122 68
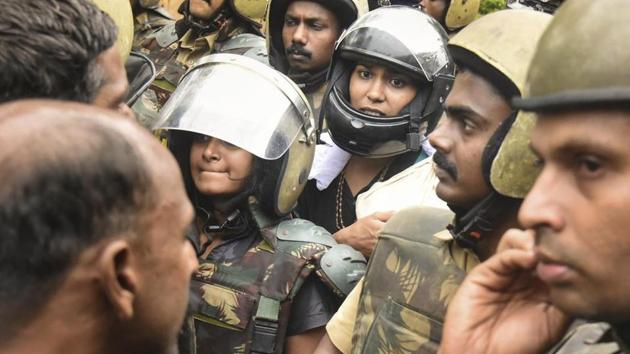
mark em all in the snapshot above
pixel 119 278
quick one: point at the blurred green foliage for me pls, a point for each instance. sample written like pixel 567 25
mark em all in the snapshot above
pixel 488 6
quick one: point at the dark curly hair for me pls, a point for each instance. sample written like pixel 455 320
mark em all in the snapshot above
pixel 48 49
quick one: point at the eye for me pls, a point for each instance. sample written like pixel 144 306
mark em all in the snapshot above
pixel 468 126
pixel 229 145
pixel 318 26
pixel 589 166
pixel 200 138
pixel 290 21
pixel 365 74
pixel 398 82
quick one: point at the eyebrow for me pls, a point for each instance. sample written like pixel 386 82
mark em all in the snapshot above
pixel 306 19
pixel 571 147
pixel 458 112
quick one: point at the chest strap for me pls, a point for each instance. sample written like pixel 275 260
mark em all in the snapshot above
pixel 264 340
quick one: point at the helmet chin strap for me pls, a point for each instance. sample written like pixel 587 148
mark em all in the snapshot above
pixel 471 225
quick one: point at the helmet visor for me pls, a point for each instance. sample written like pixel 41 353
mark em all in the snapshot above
pixel 240 101
pixel 421 41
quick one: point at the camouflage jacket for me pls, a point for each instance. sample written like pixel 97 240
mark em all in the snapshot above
pixel 412 275
pixel 173 56
pixel 591 338
pixel 243 306
pixel 147 22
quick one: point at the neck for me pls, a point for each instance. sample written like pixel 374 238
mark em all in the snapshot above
pixel 360 171
pixel 488 243
pixel 67 324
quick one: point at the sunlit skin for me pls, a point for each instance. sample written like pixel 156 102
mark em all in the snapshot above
pixel 314 28
pixel 204 10
pixel 218 168
pixel 379 91
pixel 579 210
pixel 473 112
pixel 434 8
pixel 113 91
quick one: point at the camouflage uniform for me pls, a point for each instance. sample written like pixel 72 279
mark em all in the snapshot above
pixel 403 303
pixel 174 55
pixel 243 305
pixel 591 338
pixel 149 21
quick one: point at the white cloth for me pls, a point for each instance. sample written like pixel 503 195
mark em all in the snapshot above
pixel 328 163
pixel 330 160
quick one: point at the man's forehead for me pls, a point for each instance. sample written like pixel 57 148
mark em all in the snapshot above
pixel 309 9
pixel 572 130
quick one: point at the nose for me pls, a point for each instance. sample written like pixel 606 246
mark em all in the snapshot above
pixel 376 91
pixel 300 35
pixel 439 138
pixel 212 150
pixel 193 262
pixel 541 207
pixel 422 4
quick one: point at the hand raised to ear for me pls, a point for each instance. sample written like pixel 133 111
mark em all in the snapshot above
pixel 502 307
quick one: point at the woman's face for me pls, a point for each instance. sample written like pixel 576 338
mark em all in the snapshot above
pixel 218 168
pixel 379 91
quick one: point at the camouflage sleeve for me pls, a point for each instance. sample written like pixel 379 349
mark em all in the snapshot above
pixel 312 307
pixel 341 326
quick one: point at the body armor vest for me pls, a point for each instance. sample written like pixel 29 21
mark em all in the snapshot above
pixel 243 306
pixel 410 279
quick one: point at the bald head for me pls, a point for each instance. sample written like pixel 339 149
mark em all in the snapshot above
pixel 72 175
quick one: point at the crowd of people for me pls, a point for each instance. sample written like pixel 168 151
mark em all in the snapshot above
pixel 314 176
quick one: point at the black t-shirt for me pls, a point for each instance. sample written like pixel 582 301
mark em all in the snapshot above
pixel 320 207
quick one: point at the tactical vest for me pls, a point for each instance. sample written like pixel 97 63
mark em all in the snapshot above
pixel 410 279
pixel 589 338
pixel 243 306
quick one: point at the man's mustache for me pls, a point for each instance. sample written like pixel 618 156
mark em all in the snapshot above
pixel 298 49
pixel 442 162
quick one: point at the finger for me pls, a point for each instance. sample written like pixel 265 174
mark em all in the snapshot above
pixel 383 215
pixel 517 239
pixel 502 270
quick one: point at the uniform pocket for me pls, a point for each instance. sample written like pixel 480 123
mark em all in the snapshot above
pixel 222 306
pixel 398 329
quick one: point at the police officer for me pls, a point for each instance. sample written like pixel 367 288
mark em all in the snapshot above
pixel 149 16
pixel 570 261
pixel 417 264
pixel 267 283
pixel 178 46
pixel 301 35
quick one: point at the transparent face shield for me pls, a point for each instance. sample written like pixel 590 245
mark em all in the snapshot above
pixel 240 101
pixel 422 37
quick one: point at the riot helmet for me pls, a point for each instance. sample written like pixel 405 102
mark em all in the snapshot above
pixel 404 40
pixel 346 12
pixel 560 78
pixel 456 14
pixel 499 48
pixel 552 83
pixel 275 125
